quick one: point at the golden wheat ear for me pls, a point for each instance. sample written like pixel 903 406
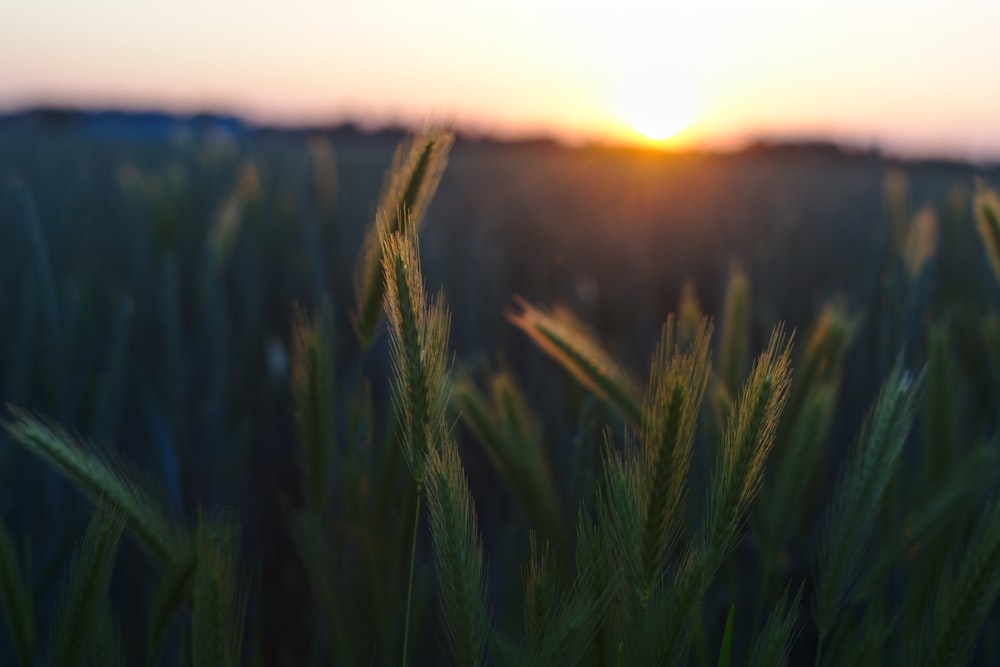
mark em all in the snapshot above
pixel 104 478
pixel 986 206
pixel 564 338
pixel 407 191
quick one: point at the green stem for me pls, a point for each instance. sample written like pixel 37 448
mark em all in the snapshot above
pixel 409 587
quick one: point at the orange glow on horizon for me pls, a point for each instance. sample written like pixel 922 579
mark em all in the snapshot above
pixel 639 72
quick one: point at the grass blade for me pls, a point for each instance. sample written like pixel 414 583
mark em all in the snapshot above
pixel 726 649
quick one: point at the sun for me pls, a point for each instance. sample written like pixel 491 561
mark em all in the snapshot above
pixel 655 109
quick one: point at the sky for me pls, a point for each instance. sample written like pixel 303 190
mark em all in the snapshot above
pixel 914 77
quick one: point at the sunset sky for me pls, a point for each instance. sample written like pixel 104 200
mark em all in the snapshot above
pixel 915 77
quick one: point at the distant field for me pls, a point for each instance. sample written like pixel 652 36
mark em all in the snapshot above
pixel 147 287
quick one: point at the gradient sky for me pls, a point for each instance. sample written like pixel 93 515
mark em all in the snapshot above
pixel 916 77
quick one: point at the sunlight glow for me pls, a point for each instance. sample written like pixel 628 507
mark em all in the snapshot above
pixel 706 74
pixel 656 110
pixel 655 100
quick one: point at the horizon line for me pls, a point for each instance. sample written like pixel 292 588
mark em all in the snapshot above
pixel 467 132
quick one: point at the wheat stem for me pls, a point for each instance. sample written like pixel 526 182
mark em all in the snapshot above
pixel 409 586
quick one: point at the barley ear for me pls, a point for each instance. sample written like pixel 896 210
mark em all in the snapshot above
pixel 569 343
pixel 104 479
pixel 774 644
pixel 407 191
pixel 312 388
pixel 678 378
pixel 16 601
pixel 419 346
pixel 75 624
pixel 965 593
pixel 734 335
pixel 746 443
pixel 512 438
pixel 458 555
pixel 859 492
pixel 220 596
pixel 986 206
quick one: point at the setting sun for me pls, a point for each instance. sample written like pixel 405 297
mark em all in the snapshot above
pixel 655 106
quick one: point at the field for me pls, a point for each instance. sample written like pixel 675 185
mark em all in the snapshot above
pixel 195 361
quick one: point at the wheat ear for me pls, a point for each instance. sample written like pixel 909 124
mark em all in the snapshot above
pixel 104 478
pixel 567 341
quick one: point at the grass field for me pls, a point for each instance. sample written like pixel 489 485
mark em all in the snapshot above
pixel 527 461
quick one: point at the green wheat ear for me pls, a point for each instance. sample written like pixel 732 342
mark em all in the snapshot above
pixel 560 625
pixel 220 598
pixel 104 478
pixel 774 645
pixel 964 595
pixel 921 240
pixel 458 555
pixel 896 193
pixel 15 598
pixel 734 334
pixel 859 493
pixel 419 345
pixel 82 608
pixel 986 206
pixel 560 335
pixel 678 379
pixel 407 191
pixel 312 388
pixel 689 313
pixel 512 438
pixel 746 443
